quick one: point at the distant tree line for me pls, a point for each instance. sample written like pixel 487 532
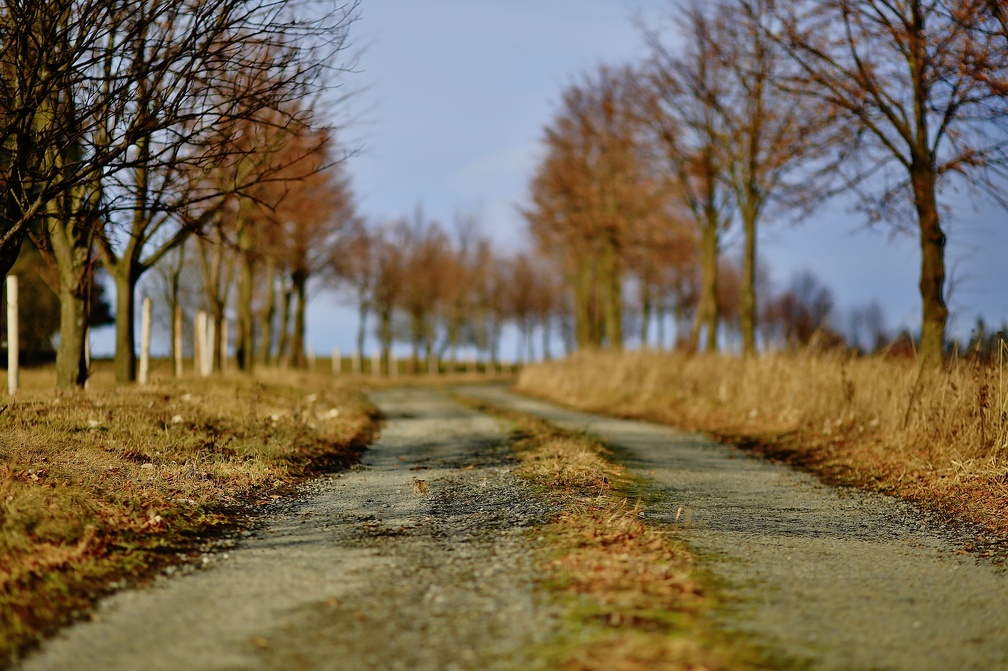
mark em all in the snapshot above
pixel 749 111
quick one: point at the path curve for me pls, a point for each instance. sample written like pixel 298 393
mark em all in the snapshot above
pixel 842 578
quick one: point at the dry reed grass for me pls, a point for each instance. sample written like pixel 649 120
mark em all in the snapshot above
pixel 939 437
pixel 102 485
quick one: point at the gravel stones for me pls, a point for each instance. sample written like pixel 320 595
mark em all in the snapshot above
pixel 362 572
pixel 842 578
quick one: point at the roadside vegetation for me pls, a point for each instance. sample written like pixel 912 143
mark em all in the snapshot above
pixel 100 490
pixel 635 596
pixel 935 436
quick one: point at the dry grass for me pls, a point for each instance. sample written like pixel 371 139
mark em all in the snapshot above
pixel 636 601
pixel 107 484
pixel 938 437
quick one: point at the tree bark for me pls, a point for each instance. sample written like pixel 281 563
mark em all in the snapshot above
pixel 267 314
pixel 71 367
pixel 125 332
pixel 613 289
pixel 582 300
pixel 646 309
pixel 747 292
pixel 298 359
pixel 283 344
pixel 707 312
pixel 245 343
pixel 932 278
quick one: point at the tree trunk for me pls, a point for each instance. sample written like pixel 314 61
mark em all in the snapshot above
pixel 660 318
pixel 283 344
pixel 385 333
pixel 71 366
pixel 298 359
pixel 582 301
pixel 546 338
pixel 707 313
pixel 612 286
pixel 216 348
pixel 267 314
pixel 932 279
pixel 245 343
pixel 363 307
pixel 747 292
pixel 646 308
pixel 125 352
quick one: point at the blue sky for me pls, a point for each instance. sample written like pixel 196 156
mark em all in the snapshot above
pixel 456 93
pixel 460 90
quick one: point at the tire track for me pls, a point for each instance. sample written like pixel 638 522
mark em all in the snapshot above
pixel 841 578
pixel 363 572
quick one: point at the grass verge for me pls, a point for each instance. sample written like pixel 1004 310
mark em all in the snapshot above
pixel 936 437
pixel 635 596
pixel 101 488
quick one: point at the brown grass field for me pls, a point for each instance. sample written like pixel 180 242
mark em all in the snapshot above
pixel 937 437
pixel 104 486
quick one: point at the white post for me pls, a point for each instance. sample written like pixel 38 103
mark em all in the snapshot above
pixel 225 336
pixel 199 341
pixel 310 355
pixel 177 335
pixel 393 365
pixel 13 346
pixel 209 337
pixel 145 336
pixel 337 361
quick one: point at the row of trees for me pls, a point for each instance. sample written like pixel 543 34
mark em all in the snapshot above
pixel 440 289
pixel 129 126
pixel 761 108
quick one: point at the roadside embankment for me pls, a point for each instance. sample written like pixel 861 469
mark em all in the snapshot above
pixel 98 489
pixel 938 437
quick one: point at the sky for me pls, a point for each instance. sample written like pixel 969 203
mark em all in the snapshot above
pixel 452 97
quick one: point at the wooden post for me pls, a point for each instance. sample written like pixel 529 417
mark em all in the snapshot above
pixel 433 365
pixel 13 346
pixel 337 361
pixel 177 335
pixel 355 362
pixel 145 337
pixel 376 364
pixel 393 365
pixel 199 341
pixel 209 337
pixel 225 336
pixel 310 355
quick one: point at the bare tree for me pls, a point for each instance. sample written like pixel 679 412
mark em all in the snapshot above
pixel 909 79
pixel 98 89
pixel 688 90
pixel 592 194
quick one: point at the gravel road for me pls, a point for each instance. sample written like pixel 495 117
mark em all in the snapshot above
pixel 366 571
pixel 838 578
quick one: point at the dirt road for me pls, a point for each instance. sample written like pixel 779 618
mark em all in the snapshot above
pixel 365 572
pixel 368 571
pixel 840 578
